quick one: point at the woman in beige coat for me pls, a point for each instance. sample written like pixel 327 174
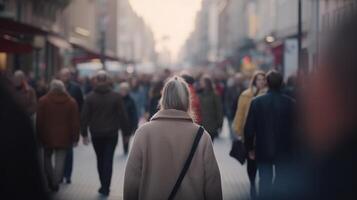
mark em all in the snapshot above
pixel 257 87
pixel 161 148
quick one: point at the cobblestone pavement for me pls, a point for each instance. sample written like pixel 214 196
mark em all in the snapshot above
pixel 85 181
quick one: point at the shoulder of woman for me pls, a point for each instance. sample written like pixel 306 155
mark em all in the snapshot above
pixel 248 93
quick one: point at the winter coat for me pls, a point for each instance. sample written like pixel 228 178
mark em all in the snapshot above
pixel 130 108
pixel 159 152
pixel 57 120
pixel 230 100
pixel 20 163
pixel 211 110
pixel 153 106
pixel 243 105
pixel 104 113
pixel 76 93
pixel 140 100
pixel 26 96
pixel 269 126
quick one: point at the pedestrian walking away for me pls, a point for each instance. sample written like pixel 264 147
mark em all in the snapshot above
pixel 58 130
pixel 104 114
pixel 269 132
pixel 130 109
pixel 257 87
pixel 211 107
pixel 75 91
pixel 159 153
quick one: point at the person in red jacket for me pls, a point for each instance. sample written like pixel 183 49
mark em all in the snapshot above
pixel 195 101
pixel 58 129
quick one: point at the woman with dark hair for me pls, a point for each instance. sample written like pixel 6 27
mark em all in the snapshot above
pixel 211 107
pixel 257 87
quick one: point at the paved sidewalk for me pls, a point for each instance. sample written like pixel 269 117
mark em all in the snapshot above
pixel 85 181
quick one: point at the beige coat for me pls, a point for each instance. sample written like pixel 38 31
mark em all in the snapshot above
pixel 243 106
pixel 158 154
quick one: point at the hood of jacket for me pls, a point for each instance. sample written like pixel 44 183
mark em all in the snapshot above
pixel 102 88
pixel 58 97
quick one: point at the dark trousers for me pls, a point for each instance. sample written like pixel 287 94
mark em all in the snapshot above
pixel 68 165
pixel 104 148
pixel 266 173
pixel 252 173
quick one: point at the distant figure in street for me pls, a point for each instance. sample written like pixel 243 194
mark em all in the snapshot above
pixel 195 100
pixel 161 148
pixel 290 88
pixel 41 88
pixel 58 130
pixel 268 133
pixel 75 92
pixel 130 108
pixel 21 175
pixel 257 87
pixel 104 114
pixel 138 94
pixel 233 90
pixel 211 107
pixel 154 98
pixel 25 94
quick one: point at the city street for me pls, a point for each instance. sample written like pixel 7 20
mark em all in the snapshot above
pixel 85 181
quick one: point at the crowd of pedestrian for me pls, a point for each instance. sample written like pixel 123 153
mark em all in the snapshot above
pixel 172 153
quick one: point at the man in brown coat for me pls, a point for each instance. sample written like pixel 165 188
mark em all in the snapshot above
pixel 58 129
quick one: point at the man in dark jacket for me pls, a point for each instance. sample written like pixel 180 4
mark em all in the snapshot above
pixel 130 109
pixel 104 113
pixel 268 133
pixel 75 91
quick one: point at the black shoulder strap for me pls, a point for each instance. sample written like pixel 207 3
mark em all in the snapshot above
pixel 187 163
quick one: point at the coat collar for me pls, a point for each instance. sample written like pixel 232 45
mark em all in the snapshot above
pixel 171 114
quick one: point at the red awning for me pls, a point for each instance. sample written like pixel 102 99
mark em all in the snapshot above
pixel 9 26
pixel 13 46
pixel 89 54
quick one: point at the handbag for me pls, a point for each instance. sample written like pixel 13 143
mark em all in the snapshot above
pixel 187 163
pixel 238 151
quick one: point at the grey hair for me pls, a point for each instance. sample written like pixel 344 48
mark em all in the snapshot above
pixel 102 76
pixel 57 86
pixel 19 74
pixel 176 95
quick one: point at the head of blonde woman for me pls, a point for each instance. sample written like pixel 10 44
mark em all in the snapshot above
pixel 175 95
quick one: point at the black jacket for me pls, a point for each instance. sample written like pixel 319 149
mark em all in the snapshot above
pixel 130 108
pixel 269 126
pixel 76 93
pixel 21 175
pixel 104 113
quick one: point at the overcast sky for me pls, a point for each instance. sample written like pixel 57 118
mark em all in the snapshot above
pixel 173 18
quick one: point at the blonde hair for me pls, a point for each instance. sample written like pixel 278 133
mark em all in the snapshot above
pixel 176 95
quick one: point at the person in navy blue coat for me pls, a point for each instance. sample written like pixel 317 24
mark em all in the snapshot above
pixel 269 132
